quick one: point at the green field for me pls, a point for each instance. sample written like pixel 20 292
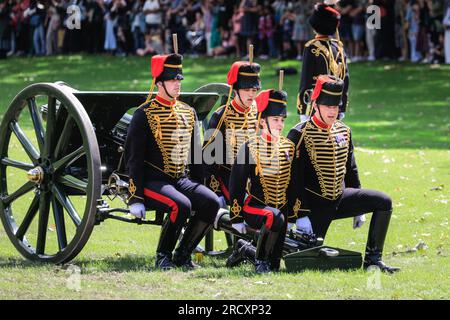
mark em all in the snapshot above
pixel 399 114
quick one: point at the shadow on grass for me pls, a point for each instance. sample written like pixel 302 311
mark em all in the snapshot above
pixel 211 267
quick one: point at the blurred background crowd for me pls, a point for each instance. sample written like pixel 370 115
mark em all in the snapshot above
pixel 415 30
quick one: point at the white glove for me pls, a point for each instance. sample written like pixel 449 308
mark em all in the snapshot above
pixel 341 115
pixel 358 221
pixel 239 227
pixel 138 210
pixel 304 225
pixel 304 117
pixel 290 226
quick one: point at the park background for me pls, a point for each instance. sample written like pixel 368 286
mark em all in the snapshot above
pixel 399 114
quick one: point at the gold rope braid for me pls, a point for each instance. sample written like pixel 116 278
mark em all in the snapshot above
pixel 259 171
pixel 222 119
pixel 214 184
pixel 132 190
pixel 156 128
pixel 239 127
pixel 233 135
pixel 235 209
pixel 324 182
pixel 297 205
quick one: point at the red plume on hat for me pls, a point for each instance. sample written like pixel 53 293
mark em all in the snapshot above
pixel 262 100
pixel 157 65
pixel 334 11
pixel 318 88
pixel 234 70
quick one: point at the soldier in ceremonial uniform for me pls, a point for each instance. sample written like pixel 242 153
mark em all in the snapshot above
pixel 323 55
pixel 161 137
pixel 265 161
pixel 231 126
pixel 328 178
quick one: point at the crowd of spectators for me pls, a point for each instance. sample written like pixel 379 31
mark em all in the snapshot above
pixel 415 30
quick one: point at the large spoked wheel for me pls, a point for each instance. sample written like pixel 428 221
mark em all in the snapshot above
pixel 50 177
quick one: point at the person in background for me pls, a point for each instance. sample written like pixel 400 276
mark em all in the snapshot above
pixel 4 28
pixel 413 20
pixel 265 33
pixel 357 14
pixel 287 23
pixel 302 31
pixel 322 55
pixel 236 22
pixel 249 25
pixel 446 23
pixel 138 24
pixel 53 23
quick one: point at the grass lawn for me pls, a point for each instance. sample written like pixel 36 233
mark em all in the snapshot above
pixel 399 114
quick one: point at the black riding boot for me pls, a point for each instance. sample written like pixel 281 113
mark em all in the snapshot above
pixel 194 233
pixel 242 251
pixel 167 241
pixel 265 249
pixel 377 234
pixel 278 250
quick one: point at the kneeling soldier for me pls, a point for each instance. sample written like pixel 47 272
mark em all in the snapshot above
pixel 161 134
pixel 265 161
pixel 328 176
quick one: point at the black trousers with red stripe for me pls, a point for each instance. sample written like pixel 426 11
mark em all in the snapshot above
pixel 223 176
pixel 256 215
pixel 180 197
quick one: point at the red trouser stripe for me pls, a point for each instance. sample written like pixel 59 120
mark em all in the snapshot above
pixel 159 197
pixel 261 212
pixel 224 189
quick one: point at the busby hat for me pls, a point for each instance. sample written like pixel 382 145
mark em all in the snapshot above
pixel 244 75
pixel 325 19
pixel 272 103
pixel 167 67
pixel 328 90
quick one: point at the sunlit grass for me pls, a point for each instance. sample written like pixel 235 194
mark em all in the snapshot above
pixel 399 114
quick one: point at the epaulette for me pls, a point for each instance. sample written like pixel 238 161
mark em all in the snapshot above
pixel 183 104
pixel 340 124
pixel 286 140
pixel 299 126
pixel 310 42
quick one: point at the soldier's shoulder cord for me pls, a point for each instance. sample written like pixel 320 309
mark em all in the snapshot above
pixel 302 130
pixel 341 124
pixel 144 105
pixel 285 140
pixel 183 104
pixel 310 42
pixel 219 125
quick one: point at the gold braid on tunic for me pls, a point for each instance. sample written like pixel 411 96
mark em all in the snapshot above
pixel 328 154
pixel 273 166
pixel 172 128
pixel 335 65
